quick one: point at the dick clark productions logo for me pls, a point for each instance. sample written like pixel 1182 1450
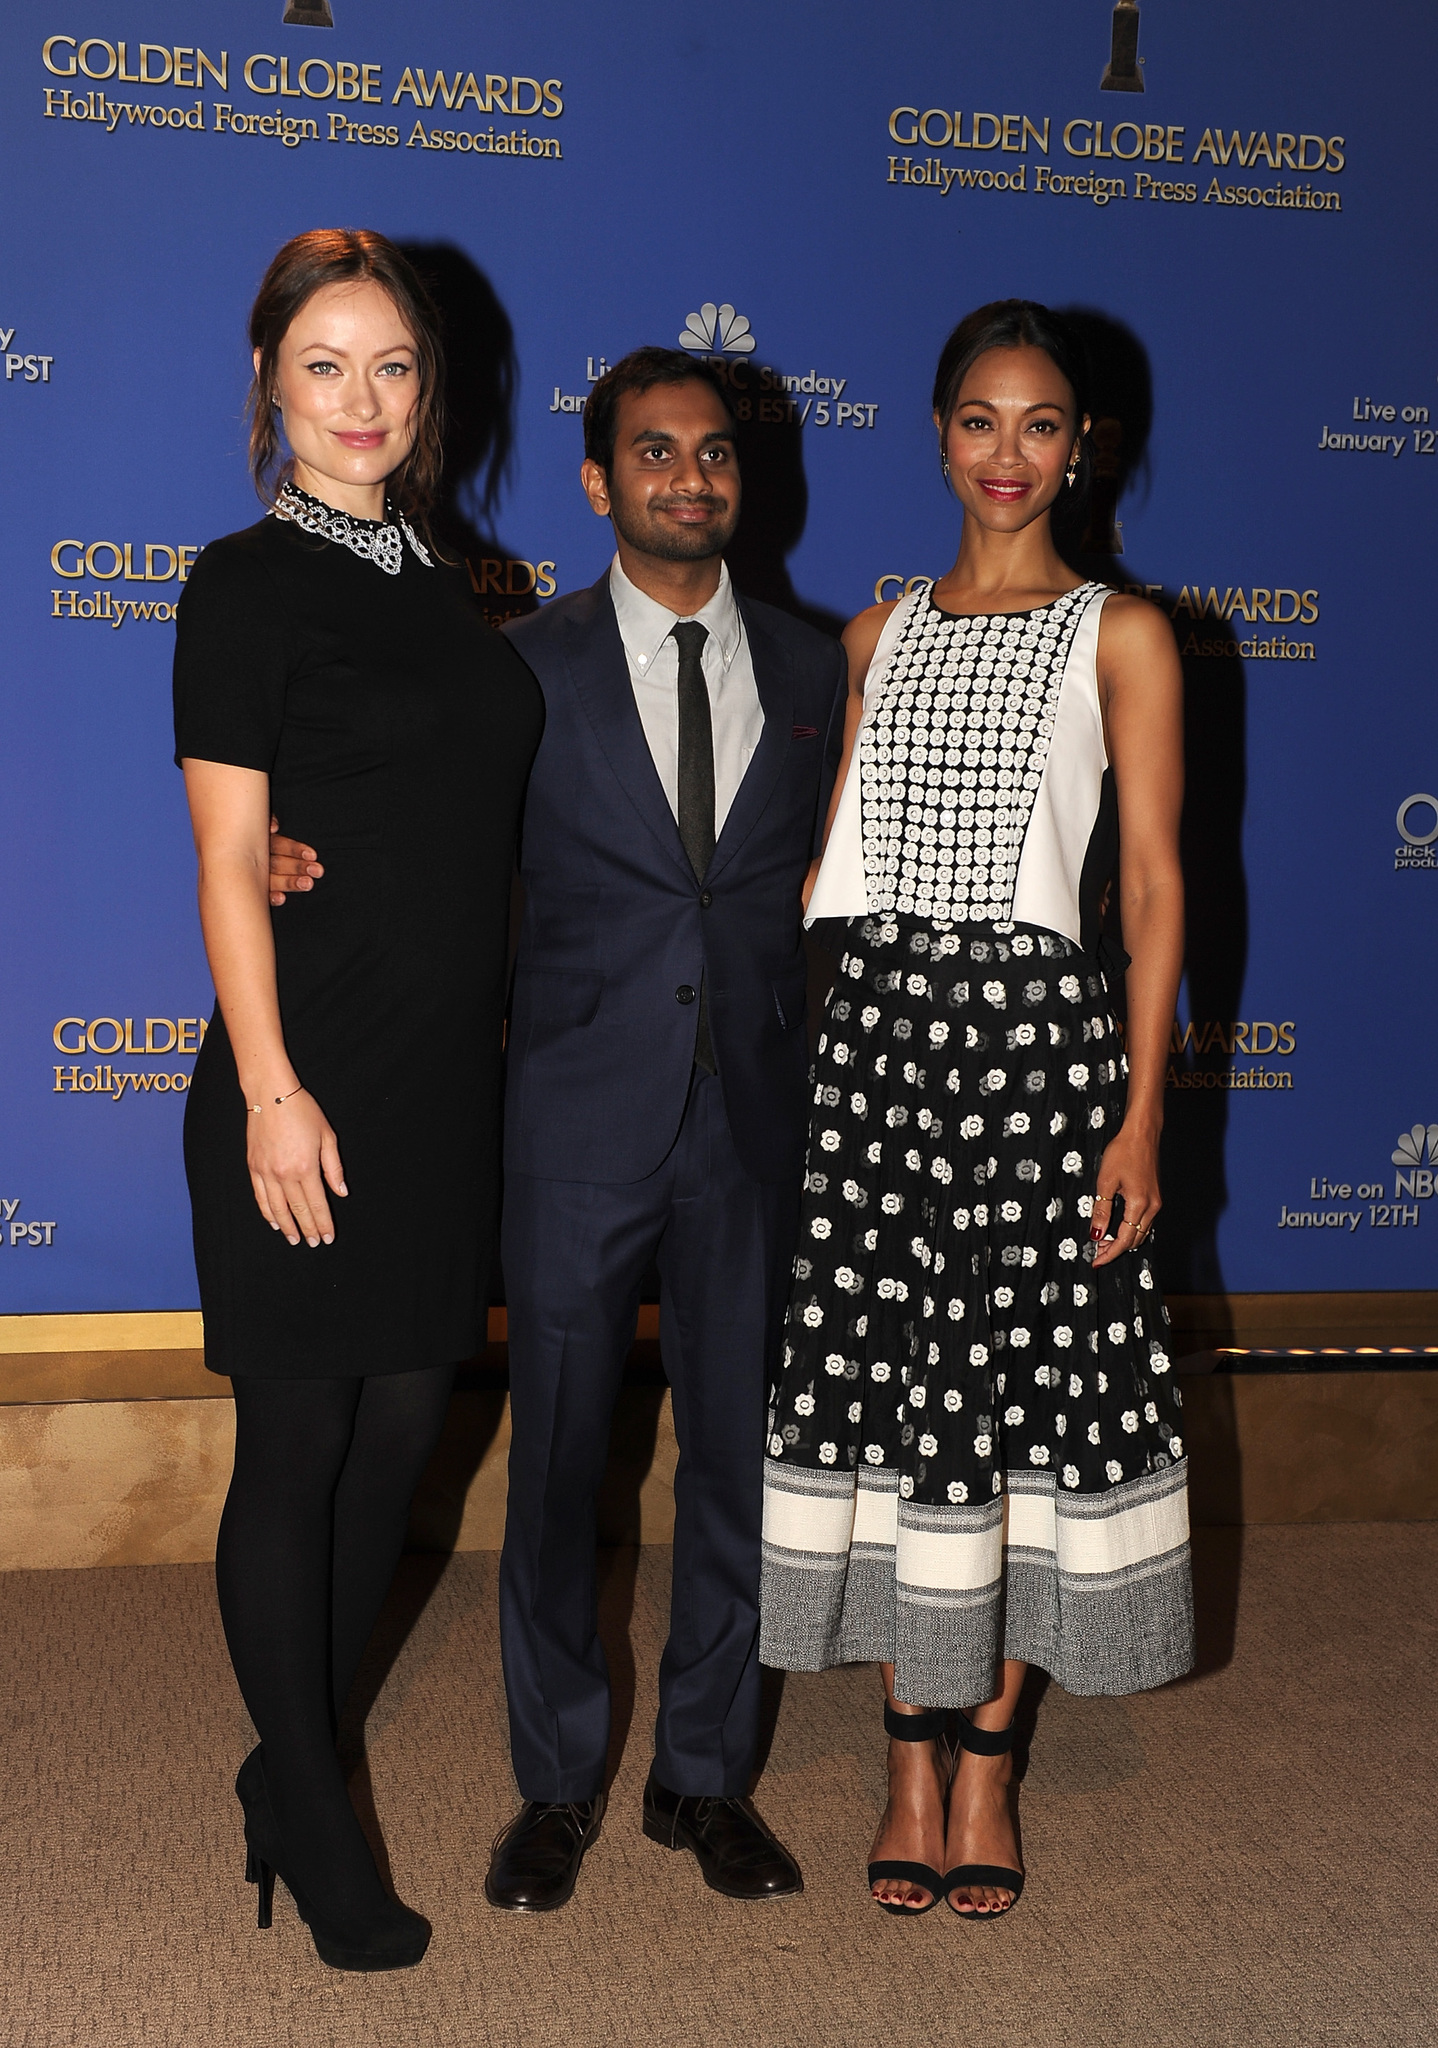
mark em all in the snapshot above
pixel 1417 849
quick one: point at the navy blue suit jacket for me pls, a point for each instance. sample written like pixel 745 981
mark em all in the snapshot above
pixel 600 1047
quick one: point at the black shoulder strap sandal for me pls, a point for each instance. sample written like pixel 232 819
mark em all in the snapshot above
pixel 983 1742
pixel 931 1727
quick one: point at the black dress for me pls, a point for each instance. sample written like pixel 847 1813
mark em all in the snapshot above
pixel 397 729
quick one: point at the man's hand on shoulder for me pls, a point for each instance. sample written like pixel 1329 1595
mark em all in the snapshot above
pixel 293 866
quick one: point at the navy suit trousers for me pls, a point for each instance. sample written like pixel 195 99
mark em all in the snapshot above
pixel 575 1253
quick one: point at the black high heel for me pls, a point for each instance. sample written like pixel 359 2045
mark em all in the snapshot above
pixel 397 1941
pixel 250 1790
pixel 983 1742
pixel 931 1727
pixel 257 1871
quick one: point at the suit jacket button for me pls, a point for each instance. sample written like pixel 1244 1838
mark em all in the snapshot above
pixel 684 994
pixel 705 900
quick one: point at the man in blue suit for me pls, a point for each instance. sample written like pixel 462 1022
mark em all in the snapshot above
pixel 655 1114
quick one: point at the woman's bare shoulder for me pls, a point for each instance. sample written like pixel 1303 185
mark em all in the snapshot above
pixel 1133 626
pixel 861 637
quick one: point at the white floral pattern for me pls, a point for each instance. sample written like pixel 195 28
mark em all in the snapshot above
pixel 951 757
pixel 876 1367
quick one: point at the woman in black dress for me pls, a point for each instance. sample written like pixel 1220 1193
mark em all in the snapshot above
pixel 341 1135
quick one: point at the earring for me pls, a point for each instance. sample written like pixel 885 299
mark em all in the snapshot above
pixel 944 463
pixel 1073 472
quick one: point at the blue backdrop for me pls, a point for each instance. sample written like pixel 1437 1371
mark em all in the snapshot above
pixel 814 196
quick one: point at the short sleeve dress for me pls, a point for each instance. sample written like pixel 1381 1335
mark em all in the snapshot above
pixel 397 729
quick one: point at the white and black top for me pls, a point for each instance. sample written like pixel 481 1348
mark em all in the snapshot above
pixel 980 787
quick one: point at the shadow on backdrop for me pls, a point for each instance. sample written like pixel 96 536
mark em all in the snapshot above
pixel 481 385
pixel 776 507
pixel 1196 1106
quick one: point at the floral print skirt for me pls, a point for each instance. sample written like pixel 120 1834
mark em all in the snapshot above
pixel 975 1444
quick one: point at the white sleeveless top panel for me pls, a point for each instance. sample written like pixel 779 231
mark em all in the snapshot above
pixel 979 769
pixel 1066 805
pixel 840 889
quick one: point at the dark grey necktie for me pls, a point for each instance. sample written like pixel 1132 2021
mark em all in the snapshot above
pixel 696 749
pixel 696 786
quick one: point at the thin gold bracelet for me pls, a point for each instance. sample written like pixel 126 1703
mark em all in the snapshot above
pixel 256 1107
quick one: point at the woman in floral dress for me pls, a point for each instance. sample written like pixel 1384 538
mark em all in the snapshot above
pixel 975 1450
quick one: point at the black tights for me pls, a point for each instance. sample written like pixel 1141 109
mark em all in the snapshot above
pixel 312 1531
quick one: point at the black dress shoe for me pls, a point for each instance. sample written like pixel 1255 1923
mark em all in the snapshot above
pixel 737 1854
pixel 535 1860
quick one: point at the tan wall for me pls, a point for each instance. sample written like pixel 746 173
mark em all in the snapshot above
pixel 1312 1447
pixel 115 1443
pixel 112 1482
pixel 143 1482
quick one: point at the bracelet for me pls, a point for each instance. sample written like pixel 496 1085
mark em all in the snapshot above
pixel 256 1107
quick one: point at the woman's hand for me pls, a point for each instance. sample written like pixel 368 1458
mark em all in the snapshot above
pixel 1129 1167
pixel 290 1149
pixel 292 1153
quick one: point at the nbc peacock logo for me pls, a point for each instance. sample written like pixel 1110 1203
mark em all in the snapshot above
pixel 717 331
pixel 1419 1183
pixel 1408 1152
pixel 1413 1177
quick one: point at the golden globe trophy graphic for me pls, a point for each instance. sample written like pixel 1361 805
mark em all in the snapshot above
pixel 316 14
pixel 1123 73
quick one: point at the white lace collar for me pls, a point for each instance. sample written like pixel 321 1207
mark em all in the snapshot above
pixel 373 540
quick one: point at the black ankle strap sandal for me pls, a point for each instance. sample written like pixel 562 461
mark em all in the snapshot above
pixel 931 1727
pixel 983 1742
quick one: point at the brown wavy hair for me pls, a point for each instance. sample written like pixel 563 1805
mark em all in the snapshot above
pixel 304 266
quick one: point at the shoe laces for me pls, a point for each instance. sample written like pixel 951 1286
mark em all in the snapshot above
pixel 709 1802
pixel 578 1812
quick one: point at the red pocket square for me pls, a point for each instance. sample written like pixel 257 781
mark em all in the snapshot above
pixel 806 732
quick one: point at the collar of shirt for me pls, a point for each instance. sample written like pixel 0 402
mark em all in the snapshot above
pixel 645 625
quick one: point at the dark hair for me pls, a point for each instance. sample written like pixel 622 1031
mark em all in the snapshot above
pixel 305 266
pixel 1013 323
pixel 641 370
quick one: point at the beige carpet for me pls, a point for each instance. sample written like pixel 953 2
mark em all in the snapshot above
pixel 1245 1858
